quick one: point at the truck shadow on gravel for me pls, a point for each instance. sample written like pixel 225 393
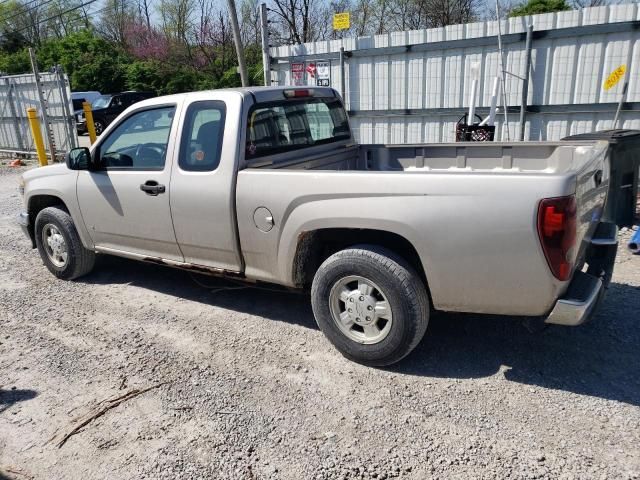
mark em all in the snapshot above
pixel 11 397
pixel 600 358
pixel 264 300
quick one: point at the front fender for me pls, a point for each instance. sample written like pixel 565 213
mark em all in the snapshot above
pixel 61 184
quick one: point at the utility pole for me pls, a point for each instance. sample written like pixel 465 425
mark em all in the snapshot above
pixel 266 58
pixel 238 41
pixel 505 128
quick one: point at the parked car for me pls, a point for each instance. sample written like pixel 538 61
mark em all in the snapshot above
pixel 106 108
pixel 267 184
pixel 78 98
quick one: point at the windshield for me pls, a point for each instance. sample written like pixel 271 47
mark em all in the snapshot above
pixel 101 102
pixel 293 124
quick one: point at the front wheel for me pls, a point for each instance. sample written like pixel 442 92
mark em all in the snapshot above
pixel 59 244
pixel 370 304
pixel 99 126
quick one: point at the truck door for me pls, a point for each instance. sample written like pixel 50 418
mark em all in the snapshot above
pixel 125 202
pixel 203 185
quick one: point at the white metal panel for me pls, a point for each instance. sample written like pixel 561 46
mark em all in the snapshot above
pixel 616 53
pixel 415 81
pixel 381 82
pixel 452 79
pixel 399 82
pixel 633 93
pixel 588 79
pixel 562 72
pixel 565 72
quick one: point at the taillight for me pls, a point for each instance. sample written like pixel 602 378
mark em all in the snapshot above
pixel 298 93
pixel 557 232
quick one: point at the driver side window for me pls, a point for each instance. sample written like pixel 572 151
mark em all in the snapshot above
pixel 139 142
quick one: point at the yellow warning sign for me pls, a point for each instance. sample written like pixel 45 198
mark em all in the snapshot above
pixel 341 21
pixel 615 77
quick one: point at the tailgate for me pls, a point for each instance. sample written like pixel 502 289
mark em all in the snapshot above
pixel 592 186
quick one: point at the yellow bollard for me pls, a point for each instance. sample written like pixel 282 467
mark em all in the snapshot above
pixel 88 116
pixel 34 123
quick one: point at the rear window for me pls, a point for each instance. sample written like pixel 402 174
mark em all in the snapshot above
pixel 101 102
pixel 293 124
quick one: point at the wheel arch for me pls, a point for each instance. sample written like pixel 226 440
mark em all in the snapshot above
pixel 315 246
pixel 35 205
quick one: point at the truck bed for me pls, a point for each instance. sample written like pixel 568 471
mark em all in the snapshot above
pixel 469 210
pixel 515 157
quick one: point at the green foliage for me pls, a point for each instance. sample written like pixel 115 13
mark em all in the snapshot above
pixel 15 63
pixel 144 76
pixel 539 6
pixel 91 62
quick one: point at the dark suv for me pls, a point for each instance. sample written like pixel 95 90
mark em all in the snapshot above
pixel 107 107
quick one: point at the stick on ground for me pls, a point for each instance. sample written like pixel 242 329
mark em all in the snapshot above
pixel 101 408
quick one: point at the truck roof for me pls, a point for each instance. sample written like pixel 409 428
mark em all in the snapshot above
pixel 261 94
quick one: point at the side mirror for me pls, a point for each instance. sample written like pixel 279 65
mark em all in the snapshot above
pixel 78 159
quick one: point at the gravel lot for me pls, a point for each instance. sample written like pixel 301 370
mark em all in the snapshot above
pixel 254 391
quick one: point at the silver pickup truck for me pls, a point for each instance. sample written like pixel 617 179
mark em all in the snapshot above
pixel 267 184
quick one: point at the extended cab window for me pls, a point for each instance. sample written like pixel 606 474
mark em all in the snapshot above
pixel 293 124
pixel 202 136
pixel 139 142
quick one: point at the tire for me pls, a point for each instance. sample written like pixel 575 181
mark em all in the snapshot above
pixel 56 235
pixel 99 126
pixel 337 285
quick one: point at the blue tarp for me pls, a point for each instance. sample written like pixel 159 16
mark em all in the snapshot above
pixel 634 243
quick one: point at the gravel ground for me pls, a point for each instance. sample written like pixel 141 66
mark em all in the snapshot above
pixel 254 391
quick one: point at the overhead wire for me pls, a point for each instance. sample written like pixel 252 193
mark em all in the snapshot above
pixel 27 11
pixel 84 4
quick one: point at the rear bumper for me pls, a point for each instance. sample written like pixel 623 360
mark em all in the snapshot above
pixel 579 302
pixel 587 289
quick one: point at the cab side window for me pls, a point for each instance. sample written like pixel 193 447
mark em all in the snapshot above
pixel 201 141
pixel 139 142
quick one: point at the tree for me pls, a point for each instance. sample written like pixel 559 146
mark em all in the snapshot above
pixel 250 28
pixel 296 21
pixel 534 7
pixel 115 19
pixel 91 62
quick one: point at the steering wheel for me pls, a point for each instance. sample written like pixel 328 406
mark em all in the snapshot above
pixel 149 153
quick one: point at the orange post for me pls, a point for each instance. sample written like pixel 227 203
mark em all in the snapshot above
pixel 88 116
pixel 36 132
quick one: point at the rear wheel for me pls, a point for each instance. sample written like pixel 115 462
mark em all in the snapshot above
pixel 370 304
pixel 59 244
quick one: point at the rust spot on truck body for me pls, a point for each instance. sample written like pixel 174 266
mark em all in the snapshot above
pixel 212 271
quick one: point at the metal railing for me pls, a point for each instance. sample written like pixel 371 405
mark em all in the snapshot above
pixel 49 93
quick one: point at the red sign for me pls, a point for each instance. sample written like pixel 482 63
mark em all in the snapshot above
pixel 297 73
pixel 311 69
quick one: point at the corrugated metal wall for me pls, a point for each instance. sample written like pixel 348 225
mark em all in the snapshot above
pixel 17 94
pixel 417 94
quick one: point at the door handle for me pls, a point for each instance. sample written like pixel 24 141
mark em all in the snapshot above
pixel 151 187
pixel 597 177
